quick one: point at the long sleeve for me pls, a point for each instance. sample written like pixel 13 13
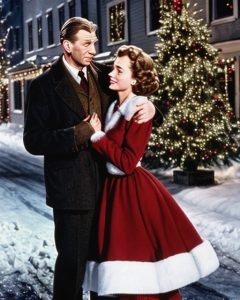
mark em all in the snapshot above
pixel 127 155
pixel 40 136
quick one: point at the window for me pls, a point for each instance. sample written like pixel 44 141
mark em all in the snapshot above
pixel 17 43
pixel 17 95
pixel 11 39
pixel 117 21
pixel 49 16
pixel 153 15
pixel 84 8
pixel 223 10
pixel 71 8
pixel 39 32
pixel 11 5
pixel 30 35
pixel 61 16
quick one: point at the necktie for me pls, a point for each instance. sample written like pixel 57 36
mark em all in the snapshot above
pixel 83 83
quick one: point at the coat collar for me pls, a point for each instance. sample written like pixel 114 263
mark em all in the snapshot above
pixel 126 110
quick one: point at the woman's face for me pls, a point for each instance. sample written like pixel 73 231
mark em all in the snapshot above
pixel 121 75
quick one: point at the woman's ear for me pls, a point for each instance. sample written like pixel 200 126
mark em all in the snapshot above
pixel 67 46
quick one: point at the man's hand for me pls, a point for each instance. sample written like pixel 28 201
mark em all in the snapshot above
pixel 144 112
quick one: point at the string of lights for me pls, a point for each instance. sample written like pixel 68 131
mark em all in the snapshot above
pixel 4 64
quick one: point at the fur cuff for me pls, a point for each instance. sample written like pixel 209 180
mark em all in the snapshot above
pixel 97 136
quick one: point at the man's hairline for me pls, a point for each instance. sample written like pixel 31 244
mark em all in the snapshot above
pixel 87 40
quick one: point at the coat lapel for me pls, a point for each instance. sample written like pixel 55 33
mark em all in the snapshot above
pixel 65 90
pixel 67 94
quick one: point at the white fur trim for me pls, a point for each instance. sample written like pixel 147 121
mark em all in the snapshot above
pixel 130 277
pixel 97 136
pixel 112 117
pixel 115 170
pixel 127 110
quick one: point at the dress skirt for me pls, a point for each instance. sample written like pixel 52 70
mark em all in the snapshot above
pixel 147 245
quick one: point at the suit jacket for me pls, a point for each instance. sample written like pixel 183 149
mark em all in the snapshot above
pixel 52 110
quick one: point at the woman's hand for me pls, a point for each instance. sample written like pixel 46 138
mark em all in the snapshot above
pixel 95 122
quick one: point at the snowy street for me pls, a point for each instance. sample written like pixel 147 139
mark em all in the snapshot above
pixel 27 251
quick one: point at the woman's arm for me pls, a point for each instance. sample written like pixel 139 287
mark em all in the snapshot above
pixel 127 156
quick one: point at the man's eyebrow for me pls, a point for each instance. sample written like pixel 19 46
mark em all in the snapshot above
pixel 90 39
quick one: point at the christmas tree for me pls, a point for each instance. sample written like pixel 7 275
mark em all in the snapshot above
pixel 199 126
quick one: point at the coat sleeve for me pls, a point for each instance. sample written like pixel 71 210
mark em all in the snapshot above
pixel 127 156
pixel 38 137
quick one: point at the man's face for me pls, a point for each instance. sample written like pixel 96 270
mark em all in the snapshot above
pixel 82 51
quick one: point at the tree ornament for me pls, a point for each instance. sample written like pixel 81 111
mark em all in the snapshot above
pixel 177 5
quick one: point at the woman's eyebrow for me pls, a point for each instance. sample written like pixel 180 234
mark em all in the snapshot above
pixel 118 67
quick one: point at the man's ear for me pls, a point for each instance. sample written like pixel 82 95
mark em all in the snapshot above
pixel 67 46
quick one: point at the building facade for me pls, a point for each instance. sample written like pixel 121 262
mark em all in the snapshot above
pixel 41 25
pixel 224 19
pixel 11 34
pixel 119 22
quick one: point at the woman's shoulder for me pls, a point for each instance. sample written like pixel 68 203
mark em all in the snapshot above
pixel 128 109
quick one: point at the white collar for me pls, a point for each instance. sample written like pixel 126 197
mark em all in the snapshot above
pixel 74 71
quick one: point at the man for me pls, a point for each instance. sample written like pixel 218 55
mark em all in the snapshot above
pixel 56 126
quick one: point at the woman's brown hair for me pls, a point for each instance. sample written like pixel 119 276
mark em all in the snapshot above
pixel 142 66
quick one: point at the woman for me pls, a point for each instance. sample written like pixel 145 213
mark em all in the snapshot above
pixel 147 246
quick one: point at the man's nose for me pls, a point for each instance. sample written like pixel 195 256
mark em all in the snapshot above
pixel 92 49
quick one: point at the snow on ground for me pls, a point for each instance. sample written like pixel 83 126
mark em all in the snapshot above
pixel 215 210
pixel 26 240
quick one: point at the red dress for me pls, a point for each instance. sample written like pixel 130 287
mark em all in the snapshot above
pixel 147 245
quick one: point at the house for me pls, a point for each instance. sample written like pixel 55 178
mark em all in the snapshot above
pixel 223 18
pixel 41 23
pixel 11 40
pixel 119 22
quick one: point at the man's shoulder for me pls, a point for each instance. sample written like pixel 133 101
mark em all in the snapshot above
pixel 55 70
pixel 100 67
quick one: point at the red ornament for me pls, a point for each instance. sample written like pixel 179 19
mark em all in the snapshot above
pixel 177 5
